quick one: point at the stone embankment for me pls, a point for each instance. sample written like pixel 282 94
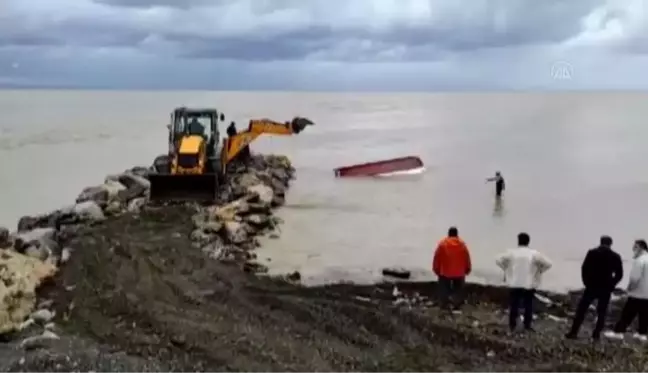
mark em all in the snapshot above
pixel 116 283
pixel 32 256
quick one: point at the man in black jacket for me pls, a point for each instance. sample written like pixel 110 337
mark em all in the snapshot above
pixel 500 184
pixel 601 271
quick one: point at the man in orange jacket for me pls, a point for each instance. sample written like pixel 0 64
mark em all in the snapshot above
pixel 451 264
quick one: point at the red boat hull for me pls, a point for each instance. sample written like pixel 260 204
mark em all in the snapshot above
pixel 380 167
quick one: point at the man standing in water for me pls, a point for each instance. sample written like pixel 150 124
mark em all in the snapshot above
pixel 602 270
pixel 499 184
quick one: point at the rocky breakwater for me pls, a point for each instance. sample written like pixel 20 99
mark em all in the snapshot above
pixel 228 231
pixel 34 256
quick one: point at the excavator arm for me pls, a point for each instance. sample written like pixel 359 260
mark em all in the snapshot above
pixel 232 146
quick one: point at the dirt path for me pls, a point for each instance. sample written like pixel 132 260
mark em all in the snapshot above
pixel 136 295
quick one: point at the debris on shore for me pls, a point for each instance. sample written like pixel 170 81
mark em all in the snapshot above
pixel 115 283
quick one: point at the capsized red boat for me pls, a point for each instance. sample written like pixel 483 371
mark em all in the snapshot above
pixel 409 164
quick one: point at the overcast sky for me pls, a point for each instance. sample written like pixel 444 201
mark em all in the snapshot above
pixel 325 44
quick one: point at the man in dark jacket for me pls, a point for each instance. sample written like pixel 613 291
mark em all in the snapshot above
pixel 231 130
pixel 195 127
pixel 601 271
pixel 500 184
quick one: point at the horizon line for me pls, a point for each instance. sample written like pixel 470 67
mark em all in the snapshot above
pixel 314 91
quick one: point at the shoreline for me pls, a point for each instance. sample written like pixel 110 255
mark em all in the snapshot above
pixel 124 285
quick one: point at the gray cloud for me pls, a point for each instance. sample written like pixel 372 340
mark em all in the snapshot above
pixel 294 30
pixel 179 4
pixel 257 6
pixel 288 47
pixel 322 43
pixel 28 40
pixel 494 28
pixel 511 24
pixel 84 35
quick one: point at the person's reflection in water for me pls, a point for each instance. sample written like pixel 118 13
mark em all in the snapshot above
pixel 498 208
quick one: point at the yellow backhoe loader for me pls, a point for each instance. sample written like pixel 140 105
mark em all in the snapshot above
pixel 196 163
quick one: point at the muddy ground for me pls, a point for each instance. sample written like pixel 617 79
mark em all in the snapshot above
pixel 137 296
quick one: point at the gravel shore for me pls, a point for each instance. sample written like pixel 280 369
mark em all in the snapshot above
pixel 140 293
pixel 137 296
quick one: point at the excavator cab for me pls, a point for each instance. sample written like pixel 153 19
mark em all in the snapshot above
pixel 191 130
pixel 190 170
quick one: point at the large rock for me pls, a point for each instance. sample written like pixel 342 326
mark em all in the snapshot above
pixel 5 237
pixel 281 175
pixel 215 249
pixel 102 194
pixel 113 188
pixel 211 226
pixel 67 215
pixel 140 171
pixel 229 211
pixel 40 252
pixel 206 223
pixel 258 208
pixel 136 205
pixel 114 208
pixel 39 243
pixel 20 276
pixel 199 218
pixel 254 267
pixel 278 162
pixel 258 221
pixel 88 211
pixel 278 200
pixel 135 186
pixel 125 196
pixel 247 180
pixel 27 223
pixel 43 316
pixel 134 181
pixel 37 235
pixel 206 231
pixel 201 238
pixel 236 232
pixel 279 187
pixel 39 341
pixel 264 192
pixel 258 162
pixel 94 193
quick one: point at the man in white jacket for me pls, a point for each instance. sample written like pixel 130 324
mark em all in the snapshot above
pixel 637 302
pixel 523 267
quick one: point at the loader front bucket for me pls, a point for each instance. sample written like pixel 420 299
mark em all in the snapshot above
pixel 183 188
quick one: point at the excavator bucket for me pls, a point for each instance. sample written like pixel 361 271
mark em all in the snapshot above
pixel 298 124
pixel 183 188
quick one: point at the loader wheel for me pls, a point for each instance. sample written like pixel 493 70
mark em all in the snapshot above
pixel 162 164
